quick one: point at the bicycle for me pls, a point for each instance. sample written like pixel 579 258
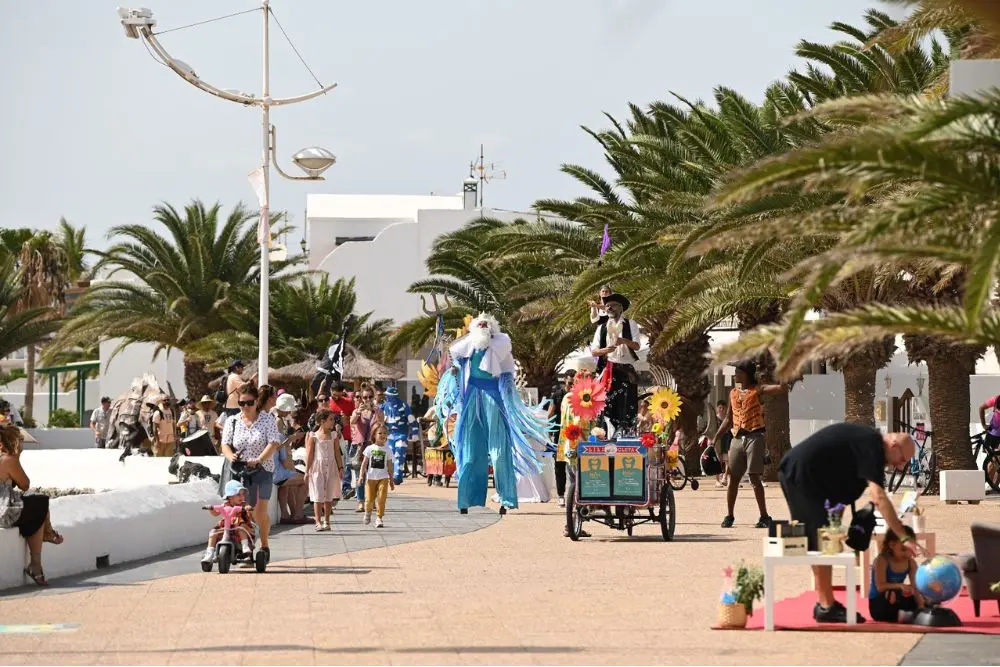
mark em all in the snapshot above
pixel 922 466
pixel 991 462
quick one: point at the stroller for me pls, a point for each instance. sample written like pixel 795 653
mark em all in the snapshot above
pixel 230 548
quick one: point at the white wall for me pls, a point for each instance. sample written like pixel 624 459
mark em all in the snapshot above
pixel 122 525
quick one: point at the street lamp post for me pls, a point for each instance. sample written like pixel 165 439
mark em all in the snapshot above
pixel 138 24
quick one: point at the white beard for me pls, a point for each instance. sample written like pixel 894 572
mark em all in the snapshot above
pixel 480 338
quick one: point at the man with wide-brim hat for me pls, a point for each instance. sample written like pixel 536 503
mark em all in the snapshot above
pixel 208 418
pixel 164 427
pixel 615 344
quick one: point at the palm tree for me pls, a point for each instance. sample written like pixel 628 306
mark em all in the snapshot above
pixel 307 316
pixel 468 267
pixel 12 240
pixel 939 227
pixel 20 327
pixel 173 286
pixel 73 241
pixel 42 269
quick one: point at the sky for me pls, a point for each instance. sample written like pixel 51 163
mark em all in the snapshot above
pixel 95 131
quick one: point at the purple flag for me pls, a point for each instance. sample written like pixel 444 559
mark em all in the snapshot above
pixel 605 242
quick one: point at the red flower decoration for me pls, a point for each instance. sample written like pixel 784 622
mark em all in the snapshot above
pixel 573 432
pixel 648 440
pixel 587 399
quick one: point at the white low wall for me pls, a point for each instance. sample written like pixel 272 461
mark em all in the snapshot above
pixel 121 525
pixel 61 438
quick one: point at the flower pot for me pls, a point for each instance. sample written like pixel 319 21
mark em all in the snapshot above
pixel 831 541
pixel 732 616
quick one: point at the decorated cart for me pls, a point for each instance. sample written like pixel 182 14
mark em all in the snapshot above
pixel 620 482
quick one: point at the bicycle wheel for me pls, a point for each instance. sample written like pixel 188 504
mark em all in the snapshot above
pixel 925 476
pixel 991 466
pixel 893 480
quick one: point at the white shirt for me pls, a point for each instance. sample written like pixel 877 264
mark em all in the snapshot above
pixel 378 461
pixel 620 355
pixel 250 441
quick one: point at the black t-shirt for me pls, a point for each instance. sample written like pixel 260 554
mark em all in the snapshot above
pixel 836 463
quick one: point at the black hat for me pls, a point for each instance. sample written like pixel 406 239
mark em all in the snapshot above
pixel 237 363
pixel 750 368
pixel 620 299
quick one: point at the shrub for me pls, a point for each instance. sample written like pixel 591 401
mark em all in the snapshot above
pixel 60 418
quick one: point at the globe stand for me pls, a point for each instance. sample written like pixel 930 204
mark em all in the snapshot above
pixel 937 617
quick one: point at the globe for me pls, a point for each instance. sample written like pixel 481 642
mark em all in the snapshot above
pixel 939 580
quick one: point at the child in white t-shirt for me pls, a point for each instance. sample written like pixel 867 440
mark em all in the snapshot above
pixel 378 467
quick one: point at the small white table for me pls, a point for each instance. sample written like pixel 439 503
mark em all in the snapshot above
pixel 811 558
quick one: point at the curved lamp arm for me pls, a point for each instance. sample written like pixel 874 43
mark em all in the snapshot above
pixel 192 78
pixel 277 167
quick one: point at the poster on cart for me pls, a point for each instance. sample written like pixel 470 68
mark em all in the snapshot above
pixel 595 474
pixel 613 472
pixel 629 480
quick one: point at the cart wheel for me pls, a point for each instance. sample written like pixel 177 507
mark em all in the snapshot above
pixel 677 476
pixel 668 516
pixel 225 558
pixel 694 485
pixel 574 520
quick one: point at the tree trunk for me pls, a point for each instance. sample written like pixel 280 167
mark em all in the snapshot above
pixel 777 419
pixel 948 369
pixel 196 378
pixel 948 399
pixel 859 390
pixel 859 371
pixel 29 387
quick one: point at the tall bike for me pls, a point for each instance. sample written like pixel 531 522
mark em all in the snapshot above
pixel 991 461
pixel 920 472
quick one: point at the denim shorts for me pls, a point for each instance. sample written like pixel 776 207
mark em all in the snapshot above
pixel 259 486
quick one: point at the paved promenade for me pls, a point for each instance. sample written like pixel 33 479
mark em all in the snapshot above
pixel 434 587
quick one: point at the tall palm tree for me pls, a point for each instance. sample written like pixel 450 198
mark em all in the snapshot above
pixel 307 316
pixel 42 268
pixel 20 327
pixel 193 273
pixel 73 241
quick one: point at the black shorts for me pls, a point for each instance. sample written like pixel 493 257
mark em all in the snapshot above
pixel 36 509
pixel 804 509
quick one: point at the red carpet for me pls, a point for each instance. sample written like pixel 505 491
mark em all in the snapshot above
pixel 796 614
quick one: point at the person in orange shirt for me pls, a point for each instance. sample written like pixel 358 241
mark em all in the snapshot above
pixel 748 451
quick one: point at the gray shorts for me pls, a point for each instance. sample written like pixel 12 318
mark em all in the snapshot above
pixel 746 455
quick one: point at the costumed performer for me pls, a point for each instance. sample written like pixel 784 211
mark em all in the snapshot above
pixel 397 420
pixel 615 343
pixel 493 422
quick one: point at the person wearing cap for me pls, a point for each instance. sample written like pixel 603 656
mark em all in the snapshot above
pixel 397 420
pixel 99 422
pixel 164 428
pixel 291 484
pixel 615 344
pixel 748 451
pixel 241 525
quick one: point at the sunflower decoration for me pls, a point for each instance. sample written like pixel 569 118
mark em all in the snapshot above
pixel 587 398
pixel 665 404
pixel 429 378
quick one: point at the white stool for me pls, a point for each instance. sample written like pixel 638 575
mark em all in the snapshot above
pixel 812 558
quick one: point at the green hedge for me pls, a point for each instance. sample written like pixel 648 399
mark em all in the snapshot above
pixel 60 418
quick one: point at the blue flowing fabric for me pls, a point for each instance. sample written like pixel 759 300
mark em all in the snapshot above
pixel 493 425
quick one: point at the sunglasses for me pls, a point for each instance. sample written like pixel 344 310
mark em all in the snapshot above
pixel 246 404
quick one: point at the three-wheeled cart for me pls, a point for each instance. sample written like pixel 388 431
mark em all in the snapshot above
pixel 621 485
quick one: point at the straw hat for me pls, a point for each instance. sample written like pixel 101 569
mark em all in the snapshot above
pixel 207 399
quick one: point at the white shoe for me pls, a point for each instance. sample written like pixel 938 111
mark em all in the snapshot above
pixel 368 519
pixel 247 547
pixel 562 502
pixel 209 556
pixel 378 523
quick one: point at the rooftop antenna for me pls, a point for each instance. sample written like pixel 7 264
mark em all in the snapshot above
pixel 485 172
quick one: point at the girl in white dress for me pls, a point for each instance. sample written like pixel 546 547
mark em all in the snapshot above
pixel 324 464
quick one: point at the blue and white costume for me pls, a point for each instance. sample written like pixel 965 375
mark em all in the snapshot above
pixel 493 425
pixel 397 420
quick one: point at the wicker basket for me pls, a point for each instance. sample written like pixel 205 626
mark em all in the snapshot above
pixel 732 616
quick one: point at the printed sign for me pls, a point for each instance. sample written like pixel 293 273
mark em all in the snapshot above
pixel 628 473
pixel 595 472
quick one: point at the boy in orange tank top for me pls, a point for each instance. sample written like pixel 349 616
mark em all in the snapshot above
pixel 747 453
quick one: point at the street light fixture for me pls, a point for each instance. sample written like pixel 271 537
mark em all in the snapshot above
pixel 138 24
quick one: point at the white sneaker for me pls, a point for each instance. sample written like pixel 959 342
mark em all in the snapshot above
pixel 368 519
pixel 209 555
pixel 378 523
pixel 562 502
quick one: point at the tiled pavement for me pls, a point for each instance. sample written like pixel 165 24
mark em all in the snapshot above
pixel 516 592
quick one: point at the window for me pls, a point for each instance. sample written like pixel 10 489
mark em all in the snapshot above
pixel 345 239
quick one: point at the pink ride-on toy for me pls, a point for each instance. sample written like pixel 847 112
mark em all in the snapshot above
pixel 228 550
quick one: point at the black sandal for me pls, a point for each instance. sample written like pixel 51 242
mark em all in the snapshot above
pixel 39 578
